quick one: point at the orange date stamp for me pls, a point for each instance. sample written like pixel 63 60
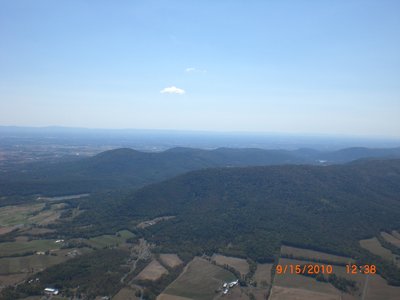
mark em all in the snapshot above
pixel 315 269
pixel 306 269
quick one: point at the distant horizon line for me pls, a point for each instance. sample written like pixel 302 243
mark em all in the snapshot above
pixel 216 132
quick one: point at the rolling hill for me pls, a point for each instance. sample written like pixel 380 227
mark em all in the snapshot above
pixel 128 168
pixel 251 211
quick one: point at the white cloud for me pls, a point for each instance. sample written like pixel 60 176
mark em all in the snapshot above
pixel 194 70
pixel 172 90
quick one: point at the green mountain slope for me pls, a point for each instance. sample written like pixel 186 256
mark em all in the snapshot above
pixel 127 168
pixel 252 211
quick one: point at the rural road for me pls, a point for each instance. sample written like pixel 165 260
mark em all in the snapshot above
pixel 365 287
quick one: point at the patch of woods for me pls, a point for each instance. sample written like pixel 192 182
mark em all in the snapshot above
pixel 89 275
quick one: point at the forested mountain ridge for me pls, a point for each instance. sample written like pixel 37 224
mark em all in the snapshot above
pixel 251 211
pixel 128 168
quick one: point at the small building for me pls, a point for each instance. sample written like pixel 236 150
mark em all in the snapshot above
pixel 233 283
pixel 51 291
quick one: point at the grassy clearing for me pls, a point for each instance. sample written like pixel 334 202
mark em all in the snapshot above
pixel 31 263
pixel 153 271
pixel 285 293
pixel 37 231
pixel 15 248
pixel 61 198
pixel 238 264
pixel 12 279
pixel 300 253
pixel 35 263
pixel 170 297
pixel 373 246
pixel 170 260
pixel 104 241
pixel 300 281
pixel 396 234
pixel 263 275
pixel 18 214
pixel 199 280
pixel 45 217
pixel 379 289
pixel 125 294
pixel 4 230
pixel 391 239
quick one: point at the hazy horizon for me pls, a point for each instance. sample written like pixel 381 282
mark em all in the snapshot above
pixel 281 67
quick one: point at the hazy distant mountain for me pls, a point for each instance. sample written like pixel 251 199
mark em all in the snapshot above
pixel 121 168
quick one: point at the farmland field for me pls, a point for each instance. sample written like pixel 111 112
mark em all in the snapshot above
pixel 11 279
pixel 125 294
pixel 14 248
pixel 238 264
pixel 373 246
pixel 391 239
pixel 378 289
pixel 37 231
pixel 313 255
pixel 34 263
pixel 153 271
pixel 18 214
pixel 285 293
pixel 171 297
pixel 263 274
pixel 109 240
pixel 396 234
pixel 300 281
pixel 199 280
pixel 170 260
pixel 61 198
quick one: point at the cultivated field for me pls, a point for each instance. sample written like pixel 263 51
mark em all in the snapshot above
pixel 370 287
pixel 37 231
pixel 391 239
pixel 199 280
pixel 30 263
pixel 238 264
pixel 300 281
pixel 61 198
pixel 171 297
pixel 35 262
pixel 45 217
pixel 378 289
pixel 103 241
pixel 373 246
pixel 236 294
pixel 15 248
pixel 18 214
pixel 285 293
pixel 6 280
pixel 300 253
pixel 396 234
pixel 8 229
pixel 153 271
pixel 125 294
pixel 170 260
pixel 263 275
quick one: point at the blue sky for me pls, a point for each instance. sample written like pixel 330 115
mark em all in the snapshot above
pixel 307 66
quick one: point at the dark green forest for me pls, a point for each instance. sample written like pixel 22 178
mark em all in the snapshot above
pixel 251 212
pixel 128 168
